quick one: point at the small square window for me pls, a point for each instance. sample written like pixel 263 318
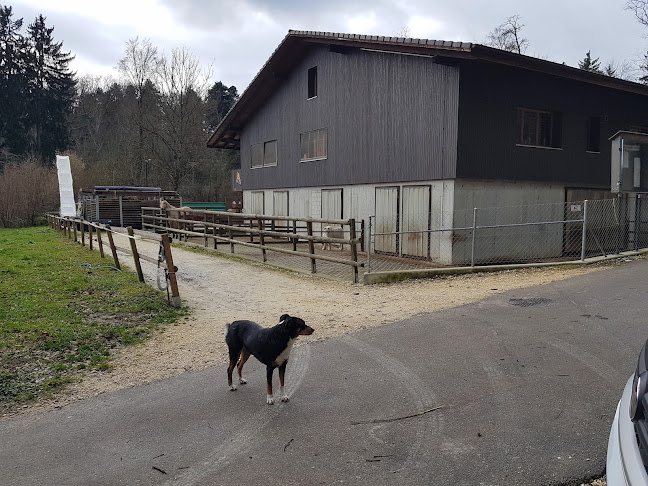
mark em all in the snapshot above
pixel 313 144
pixel 312 82
pixel 538 128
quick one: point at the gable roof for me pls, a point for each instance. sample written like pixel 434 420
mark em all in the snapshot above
pixel 297 43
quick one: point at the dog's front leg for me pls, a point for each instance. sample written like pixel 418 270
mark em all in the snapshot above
pixel 282 373
pixel 270 398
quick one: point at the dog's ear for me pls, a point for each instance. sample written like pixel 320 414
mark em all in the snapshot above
pixel 284 317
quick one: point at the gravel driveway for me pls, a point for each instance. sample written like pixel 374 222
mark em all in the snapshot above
pixel 219 290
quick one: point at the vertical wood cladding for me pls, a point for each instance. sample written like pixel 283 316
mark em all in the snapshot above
pixel 389 117
pixel 490 97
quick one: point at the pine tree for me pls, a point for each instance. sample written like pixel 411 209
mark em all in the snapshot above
pixel 220 100
pixel 589 64
pixel 13 84
pixel 52 88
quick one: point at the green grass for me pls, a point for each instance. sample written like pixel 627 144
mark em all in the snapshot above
pixel 59 318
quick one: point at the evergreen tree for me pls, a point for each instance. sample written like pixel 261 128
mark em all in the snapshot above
pixel 220 100
pixel 13 84
pixel 589 64
pixel 52 88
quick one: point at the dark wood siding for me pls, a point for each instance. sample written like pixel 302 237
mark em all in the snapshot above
pixel 389 118
pixel 489 99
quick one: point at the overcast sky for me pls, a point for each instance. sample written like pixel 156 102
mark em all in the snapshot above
pixel 238 36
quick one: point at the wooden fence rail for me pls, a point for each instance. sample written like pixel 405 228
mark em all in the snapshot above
pixel 260 231
pixel 70 227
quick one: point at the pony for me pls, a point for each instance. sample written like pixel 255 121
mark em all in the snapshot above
pixel 173 212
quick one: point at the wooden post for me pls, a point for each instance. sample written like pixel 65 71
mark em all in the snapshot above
pixel 83 232
pixel 216 230
pixel 90 235
pixel 294 240
pixel 354 248
pixel 112 246
pixel 252 226
pixel 136 258
pixel 75 231
pixel 100 243
pixel 231 235
pixel 311 246
pixel 205 227
pixel 175 295
pixel 261 240
pixel 362 235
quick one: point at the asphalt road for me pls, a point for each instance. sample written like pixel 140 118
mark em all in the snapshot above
pixel 527 383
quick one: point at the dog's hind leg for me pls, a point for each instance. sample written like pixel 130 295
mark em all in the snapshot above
pixel 282 374
pixel 234 357
pixel 245 354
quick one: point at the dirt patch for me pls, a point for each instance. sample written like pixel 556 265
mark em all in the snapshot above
pixel 220 290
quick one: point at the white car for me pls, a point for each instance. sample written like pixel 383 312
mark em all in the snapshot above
pixel 627 454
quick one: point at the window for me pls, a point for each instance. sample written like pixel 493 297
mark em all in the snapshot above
pixel 312 82
pixel 313 144
pixel 594 134
pixel 264 154
pixel 256 153
pixel 538 128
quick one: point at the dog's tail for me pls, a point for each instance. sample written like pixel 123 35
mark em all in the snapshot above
pixel 227 327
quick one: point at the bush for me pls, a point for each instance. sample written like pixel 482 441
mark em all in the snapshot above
pixel 27 191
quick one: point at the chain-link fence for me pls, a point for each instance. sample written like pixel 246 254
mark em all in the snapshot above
pixel 506 235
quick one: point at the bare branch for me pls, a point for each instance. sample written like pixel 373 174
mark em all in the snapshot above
pixel 508 36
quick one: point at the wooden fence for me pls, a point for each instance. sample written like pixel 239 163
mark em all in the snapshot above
pixel 260 231
pixel 78 229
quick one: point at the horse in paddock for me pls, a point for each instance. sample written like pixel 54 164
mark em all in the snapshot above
pixel 173 212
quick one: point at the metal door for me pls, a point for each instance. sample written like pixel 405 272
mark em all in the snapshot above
pixel 416 221
pixel 332 203
pixel 280 205
pixel 256 203
pixel 387 220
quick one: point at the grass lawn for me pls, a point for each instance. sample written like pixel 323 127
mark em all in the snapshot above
pixel 59 318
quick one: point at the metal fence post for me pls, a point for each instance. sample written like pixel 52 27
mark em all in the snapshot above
pixel 584 237
pixel 474 230
pixel 369 247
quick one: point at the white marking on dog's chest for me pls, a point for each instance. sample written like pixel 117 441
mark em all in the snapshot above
pixel 283 357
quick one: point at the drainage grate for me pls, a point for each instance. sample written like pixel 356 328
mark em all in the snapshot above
pixel 530 301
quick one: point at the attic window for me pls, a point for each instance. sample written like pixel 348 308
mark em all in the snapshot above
pixel 312 82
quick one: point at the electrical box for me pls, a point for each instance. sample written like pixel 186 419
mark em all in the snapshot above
pixel 629 162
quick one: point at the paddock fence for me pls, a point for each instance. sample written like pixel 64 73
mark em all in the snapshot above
pixel 295 243
pixel 92 235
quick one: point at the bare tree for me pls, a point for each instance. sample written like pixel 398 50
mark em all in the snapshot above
pixel 508 36
pixel 640 9
pixel 183 87
pixel 138 67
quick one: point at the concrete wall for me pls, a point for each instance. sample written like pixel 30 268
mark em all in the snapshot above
pixel 502 202
pixel 452 204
